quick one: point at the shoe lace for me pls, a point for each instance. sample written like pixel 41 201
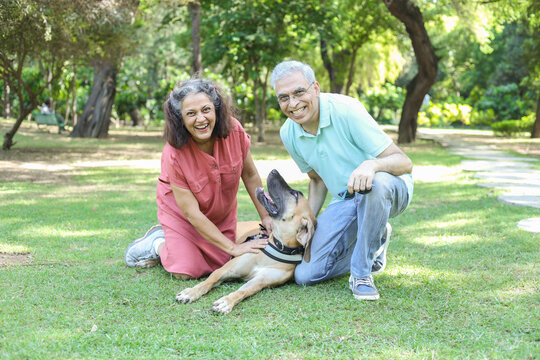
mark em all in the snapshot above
pixel 368 281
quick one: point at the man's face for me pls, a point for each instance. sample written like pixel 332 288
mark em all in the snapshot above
pixel 299 100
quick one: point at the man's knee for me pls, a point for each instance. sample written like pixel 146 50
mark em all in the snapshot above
pixel 383 183
pixel 303 275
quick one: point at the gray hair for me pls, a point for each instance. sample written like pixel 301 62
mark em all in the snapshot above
pixel 287 67
pixel 175 132
pixel 193 86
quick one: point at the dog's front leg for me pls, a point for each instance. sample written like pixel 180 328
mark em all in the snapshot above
pixel 225 272
pixel 266 278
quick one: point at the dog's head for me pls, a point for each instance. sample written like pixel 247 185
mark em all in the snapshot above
pixel 294 222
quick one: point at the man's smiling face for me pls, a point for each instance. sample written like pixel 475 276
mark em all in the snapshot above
pixel 299 100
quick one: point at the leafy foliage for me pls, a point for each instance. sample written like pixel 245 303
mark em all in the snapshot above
pixel 513 127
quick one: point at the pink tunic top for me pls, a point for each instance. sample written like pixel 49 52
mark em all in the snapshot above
pixel 214 182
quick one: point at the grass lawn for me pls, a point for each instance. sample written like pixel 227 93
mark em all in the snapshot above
pixel 461 282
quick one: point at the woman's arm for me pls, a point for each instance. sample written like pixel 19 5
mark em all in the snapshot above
pixel 190 208
pixel 252 180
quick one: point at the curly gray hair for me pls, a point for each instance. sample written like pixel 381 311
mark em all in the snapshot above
pixel 175 132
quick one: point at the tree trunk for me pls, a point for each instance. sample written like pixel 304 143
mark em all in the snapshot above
pixel 260 108
pixel 409 14
pixel 96 117
pixel 7 102
pixel 535 134
pixel 136 117
pixel 327 62
pixel 195 11
pixel 352 72
pixel 8 137
pixel 71 108
pixel 335 73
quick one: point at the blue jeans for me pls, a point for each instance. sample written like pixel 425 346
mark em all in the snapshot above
pixel 349 232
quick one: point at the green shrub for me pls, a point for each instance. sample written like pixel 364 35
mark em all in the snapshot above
pixel 445 115
pixel 482 117
pixel 513 127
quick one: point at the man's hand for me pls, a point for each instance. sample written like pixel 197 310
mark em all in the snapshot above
pixel 361 178
pixel 392 160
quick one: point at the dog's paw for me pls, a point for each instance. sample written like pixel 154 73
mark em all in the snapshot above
pixel 147 263
pixel 222 306
pixel 187 296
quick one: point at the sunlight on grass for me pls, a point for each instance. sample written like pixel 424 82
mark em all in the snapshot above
pixel 11 248
pixel 461 280
pixel 434 173
pixel 445 239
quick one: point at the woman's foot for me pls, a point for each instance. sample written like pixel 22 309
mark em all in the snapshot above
pixel 182 276
pixel 143 252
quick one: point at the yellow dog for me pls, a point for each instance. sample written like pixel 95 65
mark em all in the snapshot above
pixel 294 225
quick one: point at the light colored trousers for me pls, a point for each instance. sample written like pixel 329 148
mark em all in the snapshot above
pixel 349 232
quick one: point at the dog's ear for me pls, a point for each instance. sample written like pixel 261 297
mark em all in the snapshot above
pixel 304 236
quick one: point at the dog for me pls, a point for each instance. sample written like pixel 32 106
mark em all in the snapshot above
pixel 289 242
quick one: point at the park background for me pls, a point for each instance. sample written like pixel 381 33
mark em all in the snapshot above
pixel 462 279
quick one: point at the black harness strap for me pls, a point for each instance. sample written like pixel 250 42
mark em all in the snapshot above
pixel 278 251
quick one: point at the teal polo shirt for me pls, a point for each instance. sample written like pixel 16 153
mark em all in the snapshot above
pixel 346 137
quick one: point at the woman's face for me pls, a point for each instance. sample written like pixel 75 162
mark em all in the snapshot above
pixel 199 117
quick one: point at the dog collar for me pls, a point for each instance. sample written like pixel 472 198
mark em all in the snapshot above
pixel 280 252
pixel 273 252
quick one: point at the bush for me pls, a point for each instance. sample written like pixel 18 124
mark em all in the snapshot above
pixel 505 100
pixel 514 127
pixel 445 115
pixel 482 117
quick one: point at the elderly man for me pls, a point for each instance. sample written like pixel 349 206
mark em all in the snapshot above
pixel 333 139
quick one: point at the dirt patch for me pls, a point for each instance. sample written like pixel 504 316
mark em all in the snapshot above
pixel 54 158
pixel 524 146
pixel 10 259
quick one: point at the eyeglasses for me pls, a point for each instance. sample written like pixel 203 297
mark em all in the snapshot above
pixel 297 94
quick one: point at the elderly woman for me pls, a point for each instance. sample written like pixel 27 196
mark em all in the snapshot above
pixel 206 154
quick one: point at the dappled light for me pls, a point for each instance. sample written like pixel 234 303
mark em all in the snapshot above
pixel 86 92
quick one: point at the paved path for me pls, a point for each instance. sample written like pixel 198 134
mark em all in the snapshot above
pixel 497 169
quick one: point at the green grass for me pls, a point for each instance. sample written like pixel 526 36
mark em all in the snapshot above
pixel 462 280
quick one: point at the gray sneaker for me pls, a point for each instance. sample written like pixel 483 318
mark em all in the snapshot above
pixel 380 256
pixel 363 288
pixel 141 253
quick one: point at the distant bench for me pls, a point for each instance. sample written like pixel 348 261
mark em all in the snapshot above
pixel 45 119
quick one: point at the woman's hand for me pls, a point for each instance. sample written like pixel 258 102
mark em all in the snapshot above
pixel 268 224
pixel 252 246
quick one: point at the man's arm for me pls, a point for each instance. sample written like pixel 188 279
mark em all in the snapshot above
pixel 392 160
pixel 317 192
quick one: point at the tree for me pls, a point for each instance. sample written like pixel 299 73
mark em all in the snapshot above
pixel 195 12
pixel 409 14
pixel 532 54
pixel 32 32
pixel 342 33
pixel 248 38
pixel 107 31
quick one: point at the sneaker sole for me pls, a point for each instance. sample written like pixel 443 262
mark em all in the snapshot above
pixel 385 250
pixel 149 232
pixel 367 297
